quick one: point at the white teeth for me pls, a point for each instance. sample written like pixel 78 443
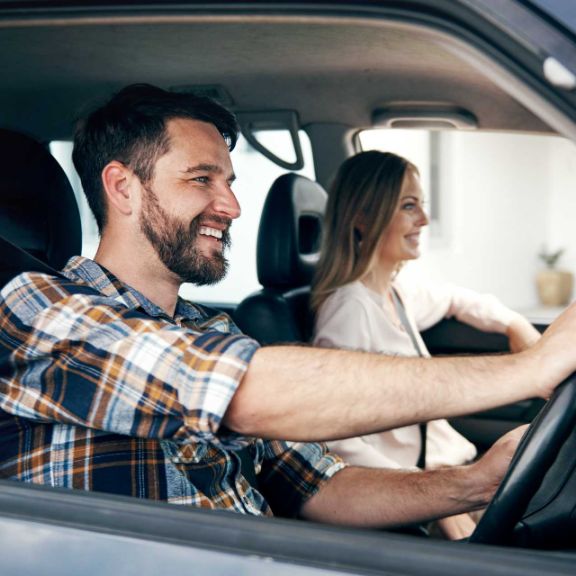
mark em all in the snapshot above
pixel 206 231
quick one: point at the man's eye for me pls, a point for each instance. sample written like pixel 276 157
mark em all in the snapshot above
pixel 201 179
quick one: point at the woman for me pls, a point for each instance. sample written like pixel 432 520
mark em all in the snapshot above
pixel 372 226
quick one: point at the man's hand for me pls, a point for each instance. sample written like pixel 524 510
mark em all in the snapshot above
pixel 489 471
pixel 555 352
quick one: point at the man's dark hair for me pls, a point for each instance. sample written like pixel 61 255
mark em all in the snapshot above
pixel 131 128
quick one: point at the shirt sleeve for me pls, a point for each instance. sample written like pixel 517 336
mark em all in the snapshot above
pixel 447 447
pixel 78 358
pixel 431 303
pixel 292 472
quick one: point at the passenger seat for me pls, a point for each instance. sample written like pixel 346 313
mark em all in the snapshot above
pixel 288 249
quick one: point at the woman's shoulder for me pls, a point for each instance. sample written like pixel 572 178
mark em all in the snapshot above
pixel 354 294
pixel 350 301
pixel 345 319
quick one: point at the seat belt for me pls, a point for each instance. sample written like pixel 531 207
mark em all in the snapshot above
pixel 14 260
pixel 401 311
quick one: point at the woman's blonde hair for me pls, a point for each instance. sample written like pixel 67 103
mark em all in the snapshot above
pixel 366 190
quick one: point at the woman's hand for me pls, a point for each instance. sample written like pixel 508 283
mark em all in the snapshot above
pixel 456 527
pixel 521 334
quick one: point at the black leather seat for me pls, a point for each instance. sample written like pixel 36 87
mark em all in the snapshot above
pixel 289 239
pixel 39 219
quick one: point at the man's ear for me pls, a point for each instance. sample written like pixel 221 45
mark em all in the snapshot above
pixel 118 180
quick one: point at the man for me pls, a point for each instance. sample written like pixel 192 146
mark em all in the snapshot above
pixel 110 382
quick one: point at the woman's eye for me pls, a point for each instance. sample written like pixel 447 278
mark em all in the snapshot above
pixel 409 206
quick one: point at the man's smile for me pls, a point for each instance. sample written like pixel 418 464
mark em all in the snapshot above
pixel 208 231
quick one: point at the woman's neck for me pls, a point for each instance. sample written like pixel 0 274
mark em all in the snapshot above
pixel 379 277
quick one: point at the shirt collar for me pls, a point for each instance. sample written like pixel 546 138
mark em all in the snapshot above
pixel 79 268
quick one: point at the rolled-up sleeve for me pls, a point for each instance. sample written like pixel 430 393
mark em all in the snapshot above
pixel 292 472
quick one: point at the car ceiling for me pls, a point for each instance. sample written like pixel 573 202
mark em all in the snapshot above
pixel 327 69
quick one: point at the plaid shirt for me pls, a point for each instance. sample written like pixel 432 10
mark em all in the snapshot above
pixel 101 390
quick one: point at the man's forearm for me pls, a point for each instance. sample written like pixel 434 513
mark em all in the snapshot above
pixel 383 498
pixel 298 393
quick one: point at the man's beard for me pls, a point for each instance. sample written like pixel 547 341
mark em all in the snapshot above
pixel 175 243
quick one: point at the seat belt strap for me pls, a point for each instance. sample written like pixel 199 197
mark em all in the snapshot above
pixel 401 311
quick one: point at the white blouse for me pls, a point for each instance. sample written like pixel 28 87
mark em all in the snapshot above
pixel 355 317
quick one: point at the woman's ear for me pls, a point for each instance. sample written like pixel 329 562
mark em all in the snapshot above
pixel 359 229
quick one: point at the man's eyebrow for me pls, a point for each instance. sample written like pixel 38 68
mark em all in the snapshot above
pixel 213 168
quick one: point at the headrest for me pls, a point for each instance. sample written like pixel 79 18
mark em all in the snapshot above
pixel 38 211
pixel 290 233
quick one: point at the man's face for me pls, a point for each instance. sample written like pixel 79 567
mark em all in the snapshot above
pixel 188 206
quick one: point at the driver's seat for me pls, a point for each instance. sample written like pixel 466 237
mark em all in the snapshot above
pixel 289 239
pixel 39 219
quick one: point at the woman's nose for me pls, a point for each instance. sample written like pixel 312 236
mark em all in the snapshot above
pixel 424 219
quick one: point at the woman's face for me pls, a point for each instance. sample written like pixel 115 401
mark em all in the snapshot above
pixel 401 239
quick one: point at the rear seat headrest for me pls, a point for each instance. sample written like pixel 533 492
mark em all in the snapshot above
pixel 38 210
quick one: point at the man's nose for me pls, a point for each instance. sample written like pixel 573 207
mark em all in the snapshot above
pixel 226 203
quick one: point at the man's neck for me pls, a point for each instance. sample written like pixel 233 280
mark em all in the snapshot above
pixel 144 272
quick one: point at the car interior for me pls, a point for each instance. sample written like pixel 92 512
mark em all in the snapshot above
pixel 316 72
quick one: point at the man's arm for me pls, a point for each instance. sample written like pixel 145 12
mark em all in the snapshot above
pixel 380 498
pixel 300 393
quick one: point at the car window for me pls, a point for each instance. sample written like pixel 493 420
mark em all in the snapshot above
pixel 562 11
pixel 502 209
pixel 254 176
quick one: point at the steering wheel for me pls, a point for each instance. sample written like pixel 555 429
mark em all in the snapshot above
pixel 536 453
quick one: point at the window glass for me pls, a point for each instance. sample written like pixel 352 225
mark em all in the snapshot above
pixel 504 200
pixel 255 174
pixel 564 12
pixel 279 142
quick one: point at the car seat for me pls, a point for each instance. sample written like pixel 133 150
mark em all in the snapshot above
pixel 39 219
pixel 288 248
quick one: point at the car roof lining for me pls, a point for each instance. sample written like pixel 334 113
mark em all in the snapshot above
pixel 311 65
